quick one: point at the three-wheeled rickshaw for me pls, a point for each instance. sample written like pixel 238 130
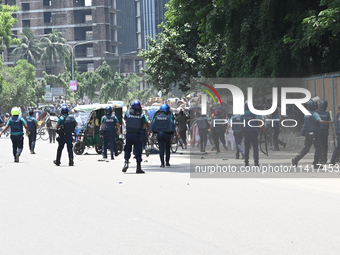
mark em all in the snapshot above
pixel 90 136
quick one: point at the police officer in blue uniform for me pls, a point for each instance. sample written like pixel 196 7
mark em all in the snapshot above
pixel 310 130
pixel 238 135
pixel 108 126
pixel 337 149
pixel 250 135
pixel 218 131
pixel 65 128
pixel 203 126
pixel 135 121
pixel 164 125
pixel 17 135
pixel 32 124
pixel 323 132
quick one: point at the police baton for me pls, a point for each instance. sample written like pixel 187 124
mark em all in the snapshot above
pixel 334 144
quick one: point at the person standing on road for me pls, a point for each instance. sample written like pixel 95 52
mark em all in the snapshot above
pixel 323 133
pixel 203 126
pixel 235 125
pixel 163 125
pixel 218 130
pixel 182 121
pixel 250 135
pixel 32 124
pixel 337 149
pixel 17 134
pixel 66 127
pixel 108 126
pixel 51 124
pixel 310 130
pixel 135 121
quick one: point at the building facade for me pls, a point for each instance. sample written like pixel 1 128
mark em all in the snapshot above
pixel 89 26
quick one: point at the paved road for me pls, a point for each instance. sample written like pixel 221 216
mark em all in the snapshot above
pixel 93 208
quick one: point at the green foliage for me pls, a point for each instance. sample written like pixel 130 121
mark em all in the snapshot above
pixel 18 85
pixel 237 38
pixel 53 50
pixel 7 21
pixel 29 49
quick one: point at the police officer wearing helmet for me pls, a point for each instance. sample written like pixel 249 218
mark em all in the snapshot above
pixel 337 149
pixel 163 124
pixel 235 125
pixel 65 128
pixel 218 131
pixel 17 135
pixel 250 135
pixel 135 121
pixel 310 130
pixel 323 132
pixel 32 124
pixel 108 126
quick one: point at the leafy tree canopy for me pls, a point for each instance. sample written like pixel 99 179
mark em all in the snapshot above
pixel 237 38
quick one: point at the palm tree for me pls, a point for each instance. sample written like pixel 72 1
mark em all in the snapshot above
pixel 53 49
pixel 29 48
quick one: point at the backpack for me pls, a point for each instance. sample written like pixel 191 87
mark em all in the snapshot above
pixel 48 122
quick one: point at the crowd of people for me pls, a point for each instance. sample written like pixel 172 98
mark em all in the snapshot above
pixel 212 128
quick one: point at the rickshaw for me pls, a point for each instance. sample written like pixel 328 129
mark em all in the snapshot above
pixel 90 136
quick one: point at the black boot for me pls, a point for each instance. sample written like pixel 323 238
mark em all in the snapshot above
pixel 126 166
pixel 71 163
pixel 139 169
pixel 57 163
pixel 295 162
pixel 257 163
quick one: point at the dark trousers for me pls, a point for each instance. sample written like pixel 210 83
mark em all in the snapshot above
pixel 336 151
pixel 323 136
pixel 218 136
pixel 133 139
pixel 276 140
pixel 17 144
pixel 250 138
pixel 204 138
pixel 109 138
pixel 52 134
pixel 164 142
pixel 62 140
pixel 31 140
pixel 142 140
pixel 238 140
pixel 311 139
pixel 183 135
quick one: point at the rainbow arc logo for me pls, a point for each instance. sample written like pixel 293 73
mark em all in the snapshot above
pixel 209 93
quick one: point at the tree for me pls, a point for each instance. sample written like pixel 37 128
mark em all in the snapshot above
pixel 90 81
pixel 7 21
pixel 18 85
pixel 236 38
pixel 52 49
pixel 29 48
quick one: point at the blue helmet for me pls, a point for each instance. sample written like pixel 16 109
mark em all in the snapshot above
pixel 246 106
pixel 64 109
pixel 165 108
pixel 323 104
pixel 108 110
pixel 136 105
pixel 311 105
